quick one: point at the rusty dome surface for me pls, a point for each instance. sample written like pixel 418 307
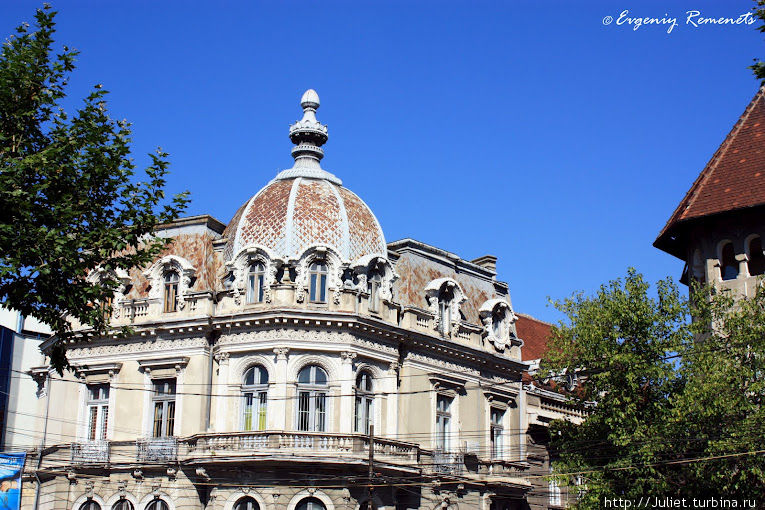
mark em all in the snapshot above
pixel 305 205
pixel 288 216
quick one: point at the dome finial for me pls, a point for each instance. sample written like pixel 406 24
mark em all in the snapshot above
pixel 308 135
pixel 310 100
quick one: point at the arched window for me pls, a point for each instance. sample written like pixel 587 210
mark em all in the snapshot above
pixel 255 394
pixel 312 399
pixel 318 282
pixel 122 504
pixel 246 503
pixel 445 298
pixel 728 264
pixel 310 504
pixel 756 257
pixel 90 505
pixel 498 322
pixel 364 402
pixel 171 291
pixel 256 279
pixel 374 280
pixel 157 504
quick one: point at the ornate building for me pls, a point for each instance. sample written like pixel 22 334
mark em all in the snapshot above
pixel 718 229
pixel 293 359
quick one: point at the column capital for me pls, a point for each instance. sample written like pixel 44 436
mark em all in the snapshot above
pixel 281 353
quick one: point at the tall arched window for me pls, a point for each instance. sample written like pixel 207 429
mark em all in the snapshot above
pixel 318 282
pixel 256 279
pixel 445 298
pixel 498 322
pixel 312 399
pixel 122 504
pixel 157 504
pixel 246 503
pixel 374 280
pixel 90 505
pixel 255 395
pixel 756 257
pixel 310 504
pixel 364 402
pixel 728 264
pixel 171 291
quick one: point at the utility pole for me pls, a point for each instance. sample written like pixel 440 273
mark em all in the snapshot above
pixel 49 384
pixel 371 463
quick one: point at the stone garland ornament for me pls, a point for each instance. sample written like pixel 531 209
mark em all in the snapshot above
pixel 239 267
pixel 432 290
pixel 489 312
pixel 335 269
pixel 98 274
pixel 364 266
pixel 156 273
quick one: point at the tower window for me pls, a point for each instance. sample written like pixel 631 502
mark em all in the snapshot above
pixel 255 394
pixel 497 433
pixel 728 264
pixel 164 407
pixel 443 422
pixel 98 411
pixel 312 399
pixel 374 280
pixel 318 282
pixel 364 402
pixel 756 257
pixel 256 278
pixel 171 291
pixel 445 299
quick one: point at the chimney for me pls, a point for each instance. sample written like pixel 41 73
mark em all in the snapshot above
pixel 487 262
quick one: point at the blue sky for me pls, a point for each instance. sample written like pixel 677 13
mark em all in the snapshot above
pixel 528 130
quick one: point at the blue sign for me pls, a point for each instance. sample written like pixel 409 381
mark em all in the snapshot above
pixel 11 466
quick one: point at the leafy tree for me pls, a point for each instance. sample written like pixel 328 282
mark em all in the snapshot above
pixel 674 406
pixel 69 200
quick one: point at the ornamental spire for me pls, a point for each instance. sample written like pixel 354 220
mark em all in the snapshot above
pixel 308 135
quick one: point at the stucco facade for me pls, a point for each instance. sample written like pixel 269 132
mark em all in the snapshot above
pixel 267 354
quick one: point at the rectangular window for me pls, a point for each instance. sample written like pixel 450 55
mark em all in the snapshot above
pixel 255 288
pixel 497 433
pixel 312 411
pixel 443 422
pixel 171 296
pixel 255 410
pixel 164 407
pixel 98 411
pixel 318 288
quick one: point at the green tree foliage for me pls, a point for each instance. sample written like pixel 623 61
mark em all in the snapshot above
pixel 664 394
pixel 70 201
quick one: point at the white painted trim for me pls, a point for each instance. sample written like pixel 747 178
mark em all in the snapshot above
pixel 117 496
pixel 287 250
pixel 297 498
pixel 233 498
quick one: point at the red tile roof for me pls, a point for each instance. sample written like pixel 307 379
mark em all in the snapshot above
pixel 733 179
pixel 535 335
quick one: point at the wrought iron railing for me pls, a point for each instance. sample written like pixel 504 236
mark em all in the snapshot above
pixel 90 452
pixel 157 449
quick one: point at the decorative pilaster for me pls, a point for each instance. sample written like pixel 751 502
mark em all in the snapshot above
pixel 277 410
pixel 223 407
pixel 347 381
pixel 391 387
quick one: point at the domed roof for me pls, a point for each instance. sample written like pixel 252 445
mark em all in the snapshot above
pixel 306 205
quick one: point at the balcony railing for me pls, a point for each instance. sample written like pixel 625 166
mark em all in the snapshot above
pixel 157 449
pixel 90 452
pixel 275 442
pixel 448 463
